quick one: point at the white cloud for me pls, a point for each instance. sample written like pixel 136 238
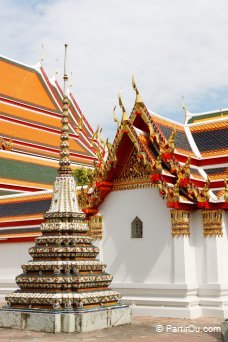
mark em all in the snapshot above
pixel 174 48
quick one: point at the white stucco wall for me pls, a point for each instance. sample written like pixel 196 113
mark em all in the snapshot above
pixel 146 260
pixel 197 241
pixel 12 256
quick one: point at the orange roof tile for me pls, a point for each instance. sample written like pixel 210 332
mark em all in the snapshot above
pixel 40 136
pixel 215 153
pixel 29 115
pixel 24 84
pixel 210 126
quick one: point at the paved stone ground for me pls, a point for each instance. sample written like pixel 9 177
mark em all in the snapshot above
pixel 142 329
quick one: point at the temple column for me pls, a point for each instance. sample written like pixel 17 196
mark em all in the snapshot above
pixel 183 252
pixel 213 292
pixel 213 245
pixel 184 269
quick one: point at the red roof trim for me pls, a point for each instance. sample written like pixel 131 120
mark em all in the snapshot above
pixel 21 223
pixel 27 106
pixel 19 239
pixel 201 162
pixel 20 188
pixel 50 149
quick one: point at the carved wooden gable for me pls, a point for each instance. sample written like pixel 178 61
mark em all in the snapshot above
pixel 134 168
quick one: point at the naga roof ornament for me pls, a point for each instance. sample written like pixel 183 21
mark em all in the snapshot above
pixel 138 98
pixel 125 118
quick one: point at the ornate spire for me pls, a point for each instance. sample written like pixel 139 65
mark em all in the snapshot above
pixel 68 276
pixel 138 98
pixel 64 161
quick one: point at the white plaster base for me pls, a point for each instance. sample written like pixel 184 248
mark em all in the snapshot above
pixel 213 299
pixel 161 300
pixel 55 322
pixel 176 300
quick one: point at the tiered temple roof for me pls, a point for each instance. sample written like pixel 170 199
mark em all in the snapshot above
pixel 188 163
pixel 30 115
pixel 30 121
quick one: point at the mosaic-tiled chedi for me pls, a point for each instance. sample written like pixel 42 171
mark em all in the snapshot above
pixel 64 273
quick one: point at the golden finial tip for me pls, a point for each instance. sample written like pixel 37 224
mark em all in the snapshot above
pixel 138 96
pixel 120 98
pixel 42 55
pixel 115 117
pixel 133 83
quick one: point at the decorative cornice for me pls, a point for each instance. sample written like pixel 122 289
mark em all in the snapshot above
pixel 180 222
pixel 96 227
pixel 212 222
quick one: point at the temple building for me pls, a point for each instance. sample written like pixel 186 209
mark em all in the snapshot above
pixel 162 191
pixel 163 195
pixel 30 121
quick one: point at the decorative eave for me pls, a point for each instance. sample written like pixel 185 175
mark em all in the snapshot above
pixel 195 191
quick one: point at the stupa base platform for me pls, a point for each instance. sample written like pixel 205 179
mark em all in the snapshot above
pixel 65 321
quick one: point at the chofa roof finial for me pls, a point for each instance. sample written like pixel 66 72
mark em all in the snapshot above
pixel 138 98
pixel 124 116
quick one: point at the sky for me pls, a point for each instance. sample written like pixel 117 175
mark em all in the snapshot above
pixel 174 48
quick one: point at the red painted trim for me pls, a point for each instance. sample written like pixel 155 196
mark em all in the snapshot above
pixel 50 149
pixel 169 179
pixel 50 87
pixel 45 128
pixel 213 184
pixel 183 206
pixel 20 188
pixel 73 113
pixel 209 205
pixel 90 211
pixel 201 162
pixel 29 124
pixel 199 183
pixel 80 112
pixel 27 106
pixel 21 223
pixel 19 239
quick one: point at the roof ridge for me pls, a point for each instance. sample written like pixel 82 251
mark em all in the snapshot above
pixel 166 119
pixel 33 67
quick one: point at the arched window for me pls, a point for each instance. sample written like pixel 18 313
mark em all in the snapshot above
pixel 136 228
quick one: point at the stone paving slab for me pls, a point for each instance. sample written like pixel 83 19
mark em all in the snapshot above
pixel 142 329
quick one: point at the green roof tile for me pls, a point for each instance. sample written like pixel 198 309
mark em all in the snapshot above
pixel 24 171
pixel 5 193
